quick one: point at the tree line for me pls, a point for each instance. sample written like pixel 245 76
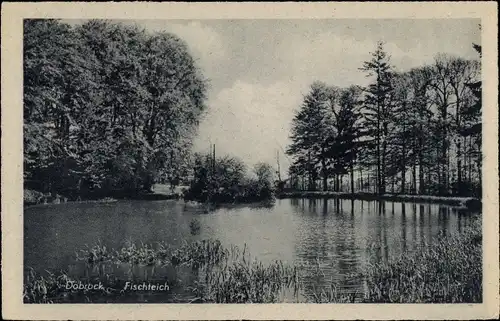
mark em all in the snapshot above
pixel 108 108
pixel 417 131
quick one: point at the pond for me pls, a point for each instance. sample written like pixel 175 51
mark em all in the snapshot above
pixel 336 237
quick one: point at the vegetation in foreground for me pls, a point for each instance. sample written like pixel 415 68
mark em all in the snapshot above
pixel 449 271
pixel 446 271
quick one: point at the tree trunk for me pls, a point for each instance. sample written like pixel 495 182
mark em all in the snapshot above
pixel 361 177
pixel 429 179
pixel 382 170
pixel 325 175
pixel 414 189
pixel 421 187
pixel 464 173
pixel 439 170
pixel 459 167
pixel 379 176
pixel 470 160
pixel 403 181
pixel 352 177
pixel 447 182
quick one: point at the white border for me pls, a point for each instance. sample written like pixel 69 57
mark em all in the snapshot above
pixel 12 120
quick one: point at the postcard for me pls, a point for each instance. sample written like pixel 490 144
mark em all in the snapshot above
pixel 249 161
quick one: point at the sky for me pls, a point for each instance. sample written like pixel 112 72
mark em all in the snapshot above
pixel 259 70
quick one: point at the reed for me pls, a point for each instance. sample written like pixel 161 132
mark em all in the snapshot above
pixel 331 294
pixel 195 254
pixel 43 289
pixel 246 282
pixel 448 271
pixel 51 288
pixel 194 226
pixel 94 254
pixel 200 253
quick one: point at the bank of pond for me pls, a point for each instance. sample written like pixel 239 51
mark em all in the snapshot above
pixel 32 197
pixel 471 203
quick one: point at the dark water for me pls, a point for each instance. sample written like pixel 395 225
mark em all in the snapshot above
pixel 339 236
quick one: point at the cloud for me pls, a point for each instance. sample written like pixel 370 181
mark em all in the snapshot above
pixel 266 75
pixel 336 59
pixel 250 120
pixel 206 43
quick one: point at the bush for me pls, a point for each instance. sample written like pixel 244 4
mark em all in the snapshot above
pixel 224 181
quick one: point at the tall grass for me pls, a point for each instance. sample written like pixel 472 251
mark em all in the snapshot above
pixel 447 271
pixel 44 289
pixel 331 294
pixel 51 288
pixel 194 227
pixel 195 254
pixel 238 279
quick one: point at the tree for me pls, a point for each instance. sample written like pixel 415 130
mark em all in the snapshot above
pixel 420 128
pixel 224 180
pixel 60 91
pixel 462 73
pixel 265 178
pixel 422 125
pixel 472 128
pixel 451 95
pixel 400 139
pixel 309 134
pixel 344 140
pixel 108 108
pixel 377 108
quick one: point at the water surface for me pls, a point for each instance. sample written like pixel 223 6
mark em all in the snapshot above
pixel 329 239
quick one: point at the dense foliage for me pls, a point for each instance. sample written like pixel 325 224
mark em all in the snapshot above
pixel 108 108
pixel 417 131
pixel 225 180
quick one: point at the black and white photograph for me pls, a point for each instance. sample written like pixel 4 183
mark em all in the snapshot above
pixel 220 161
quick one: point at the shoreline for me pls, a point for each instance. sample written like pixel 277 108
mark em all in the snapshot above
pixel 49 200
pixel 470 203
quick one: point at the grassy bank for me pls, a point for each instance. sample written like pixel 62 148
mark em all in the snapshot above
pixel 447 271
pixel 465 202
